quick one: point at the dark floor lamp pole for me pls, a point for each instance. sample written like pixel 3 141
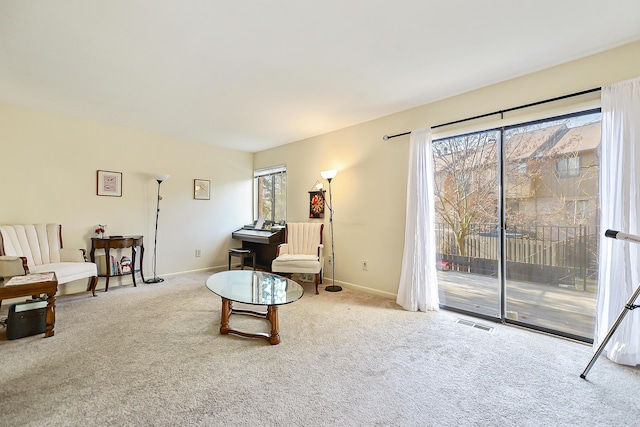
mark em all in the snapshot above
pixel 156 279
pixel 329 175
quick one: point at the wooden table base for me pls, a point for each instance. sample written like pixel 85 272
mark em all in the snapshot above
pixel 271 315
pixel 34 290
pixel 50 318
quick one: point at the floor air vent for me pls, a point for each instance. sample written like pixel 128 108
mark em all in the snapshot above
pixel 474 325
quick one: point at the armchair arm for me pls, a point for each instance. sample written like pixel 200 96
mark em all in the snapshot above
pixel 283 248
pixel 13 266
pixel 320 252
pixel 73 255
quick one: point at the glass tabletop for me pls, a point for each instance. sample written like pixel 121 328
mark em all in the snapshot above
pixel 254 287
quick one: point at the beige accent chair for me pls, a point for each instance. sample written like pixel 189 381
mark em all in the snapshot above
pixel 302 251
pixel 37 248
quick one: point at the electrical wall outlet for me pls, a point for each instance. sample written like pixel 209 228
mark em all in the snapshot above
pixel 198 253
pixel 365 265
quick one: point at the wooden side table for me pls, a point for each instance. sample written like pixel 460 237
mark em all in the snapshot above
pixel 119 242
pixel 34 285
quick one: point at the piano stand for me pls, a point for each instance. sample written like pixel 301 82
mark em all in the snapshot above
pixel 242 253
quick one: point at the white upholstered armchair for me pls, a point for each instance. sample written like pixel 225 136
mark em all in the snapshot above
pixel 302 250
pixel 36 248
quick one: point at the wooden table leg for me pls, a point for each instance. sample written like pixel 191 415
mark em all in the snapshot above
pixel 141 260
pixel 133 264
pixel 272 315
pixel 94 283
pixel 108 264
pixel 50 318
pixel 224 318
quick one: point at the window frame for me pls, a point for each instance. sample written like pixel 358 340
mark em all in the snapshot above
pixel 570 167
pixel 587 211
pixel 272 171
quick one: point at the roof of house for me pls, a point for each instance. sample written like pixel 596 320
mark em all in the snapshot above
pixel 577 139
pixel 525 145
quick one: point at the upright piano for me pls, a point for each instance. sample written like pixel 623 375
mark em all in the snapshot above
pixel 263 242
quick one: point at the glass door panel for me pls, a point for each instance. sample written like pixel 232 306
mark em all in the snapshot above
pixel 551 173
pixel 466 208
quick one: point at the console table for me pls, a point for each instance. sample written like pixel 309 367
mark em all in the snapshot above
pixel 119 242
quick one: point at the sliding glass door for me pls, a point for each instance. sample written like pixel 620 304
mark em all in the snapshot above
pixel 466 188
pixel 517 223
pixel 551 217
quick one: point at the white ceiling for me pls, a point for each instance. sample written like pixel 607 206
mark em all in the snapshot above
pixel 254 74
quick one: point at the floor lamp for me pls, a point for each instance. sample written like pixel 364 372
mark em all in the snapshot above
pixel 158 177
pixel 329 175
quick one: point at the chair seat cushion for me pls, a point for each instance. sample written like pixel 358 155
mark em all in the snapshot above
pixel 289 263
pixel 68 271
pixel 297 257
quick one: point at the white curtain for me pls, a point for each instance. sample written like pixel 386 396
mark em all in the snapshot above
pixel 619 261
pixel 418 289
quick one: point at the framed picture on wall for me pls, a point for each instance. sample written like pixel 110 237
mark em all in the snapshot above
pixel 109 183
pixel 316 204
pixel 201 189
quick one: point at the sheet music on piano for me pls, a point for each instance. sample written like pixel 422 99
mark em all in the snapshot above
pixel 260 223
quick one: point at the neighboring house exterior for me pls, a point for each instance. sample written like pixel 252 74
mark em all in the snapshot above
pixel 551 178
pixel 558 183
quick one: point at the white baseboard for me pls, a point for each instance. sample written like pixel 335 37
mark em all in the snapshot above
pixel 327 281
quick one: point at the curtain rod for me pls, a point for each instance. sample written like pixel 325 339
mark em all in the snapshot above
pixel 501 112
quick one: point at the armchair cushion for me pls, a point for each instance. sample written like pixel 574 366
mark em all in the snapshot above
pixel 69 271
pixel 296 264
pixel 297 257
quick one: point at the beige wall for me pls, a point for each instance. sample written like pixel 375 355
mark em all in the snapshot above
pixel 369 192
pixel 48 174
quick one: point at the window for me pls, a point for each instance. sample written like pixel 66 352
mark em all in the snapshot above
pixel 270 193
pixel 568 167
pixel 577 211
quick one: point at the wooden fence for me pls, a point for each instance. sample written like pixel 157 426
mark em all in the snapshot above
pixel 541 254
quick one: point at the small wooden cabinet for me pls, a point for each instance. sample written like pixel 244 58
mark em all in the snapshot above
pixel 119 242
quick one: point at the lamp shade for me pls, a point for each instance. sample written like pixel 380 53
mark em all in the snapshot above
pixel 328 175
pixel 160 177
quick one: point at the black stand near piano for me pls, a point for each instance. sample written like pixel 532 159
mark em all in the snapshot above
pixel 263 241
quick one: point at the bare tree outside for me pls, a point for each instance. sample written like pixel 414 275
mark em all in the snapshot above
pixel 551 178
pixel 465 184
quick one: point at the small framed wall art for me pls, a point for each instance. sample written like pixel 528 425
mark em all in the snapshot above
pixel 316 204
pixel 201 189
pixel 109 184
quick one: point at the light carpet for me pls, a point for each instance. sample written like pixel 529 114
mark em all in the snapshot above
pixel 153 356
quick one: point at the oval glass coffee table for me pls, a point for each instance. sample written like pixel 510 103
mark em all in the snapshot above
pixel 254 288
